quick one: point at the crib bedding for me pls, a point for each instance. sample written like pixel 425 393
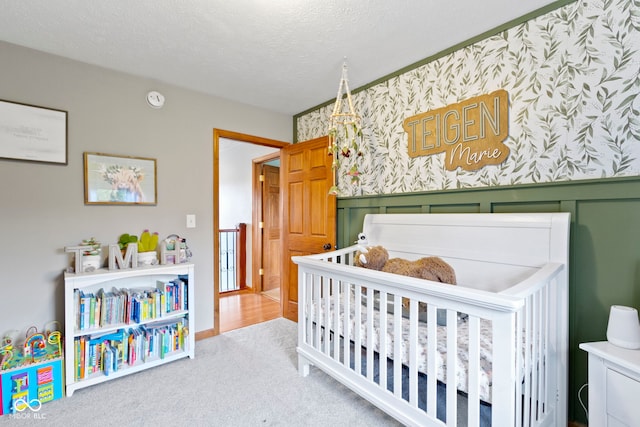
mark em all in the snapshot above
pixel 441 412
pixel 462 331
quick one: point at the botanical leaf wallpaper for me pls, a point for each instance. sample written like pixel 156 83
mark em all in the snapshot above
pixel 573 81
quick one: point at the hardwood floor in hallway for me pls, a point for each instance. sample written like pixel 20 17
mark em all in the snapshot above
pixel 244 309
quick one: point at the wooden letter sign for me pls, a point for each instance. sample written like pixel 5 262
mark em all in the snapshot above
pixel 470 132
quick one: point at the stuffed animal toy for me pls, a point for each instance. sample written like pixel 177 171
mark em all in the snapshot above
pixel 372 257
pixel 428 268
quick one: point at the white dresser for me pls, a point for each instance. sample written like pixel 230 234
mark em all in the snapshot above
pixel 614 385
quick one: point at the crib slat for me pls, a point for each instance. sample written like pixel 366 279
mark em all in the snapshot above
pixel 335 324
pixel 370 325
pixel 413 353
pixel 540 354
pixel 473 375
pixel 326 317
pixel 432 367
pixel 306 312
pixel 383 340
pixel 317 280
pixel 526 410
pixel 452 366
pixel 310 308
pixel 346 326
pixel 535 345
pixel 308 286
pixel 357 330
pixel 507 381
pixel 544 355
pixel 519 361
pixel 397 346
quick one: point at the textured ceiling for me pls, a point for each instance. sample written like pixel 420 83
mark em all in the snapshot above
pixel 283 55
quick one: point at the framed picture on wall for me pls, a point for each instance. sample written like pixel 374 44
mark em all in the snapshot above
pixel 119 180
pixel 31 133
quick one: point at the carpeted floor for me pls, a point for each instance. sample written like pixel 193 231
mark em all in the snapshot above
pixel 246 377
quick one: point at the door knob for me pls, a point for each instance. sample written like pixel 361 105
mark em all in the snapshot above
pixel 326 246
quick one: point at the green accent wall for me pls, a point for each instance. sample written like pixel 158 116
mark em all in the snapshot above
pixel 604 249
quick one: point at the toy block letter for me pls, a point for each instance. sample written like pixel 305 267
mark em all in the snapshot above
pixel 78 251
pixel 130 257
pixel 169 256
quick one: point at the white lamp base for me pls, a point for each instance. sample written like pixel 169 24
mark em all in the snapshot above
pixel 623 329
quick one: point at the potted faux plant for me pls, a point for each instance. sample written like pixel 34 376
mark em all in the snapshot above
pixel 147 245
pixel 91 257
pixel 124 241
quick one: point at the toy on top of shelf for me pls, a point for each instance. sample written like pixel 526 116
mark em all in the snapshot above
pixel 87 256
pixel 148 242
pixel 144 253
pixel 7 355
pixel 91 257
pixel 53 334
pixel 147 245
pixel 96 249
pixel 125 253
pixel 174 250
pixel 125 239
pixel 55 338
pixel 52 327
pixel 35 345
pixel 6 348
pixel 9 339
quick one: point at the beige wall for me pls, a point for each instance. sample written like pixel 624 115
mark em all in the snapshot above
pixel 42 206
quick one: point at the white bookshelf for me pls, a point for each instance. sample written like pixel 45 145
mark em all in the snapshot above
pixel 132 278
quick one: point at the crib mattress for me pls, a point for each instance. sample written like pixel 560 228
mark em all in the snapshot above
pixel 462 358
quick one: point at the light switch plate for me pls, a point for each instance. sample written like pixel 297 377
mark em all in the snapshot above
pixel 191 221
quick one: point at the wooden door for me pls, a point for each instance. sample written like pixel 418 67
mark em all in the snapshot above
pixel 271 247
pixel 308 211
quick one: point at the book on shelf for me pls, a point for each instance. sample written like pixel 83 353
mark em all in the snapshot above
pixel 79 307
pixel 128 306
pixel 103 312
pixel 108 352
pixel 155 338
pixel 175 294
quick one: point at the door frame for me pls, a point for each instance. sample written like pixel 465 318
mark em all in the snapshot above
pixel 240 137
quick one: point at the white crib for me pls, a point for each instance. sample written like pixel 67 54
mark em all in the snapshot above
pixel 505 341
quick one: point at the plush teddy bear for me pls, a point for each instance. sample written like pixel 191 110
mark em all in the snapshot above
pixel 371 257
pixel 429 268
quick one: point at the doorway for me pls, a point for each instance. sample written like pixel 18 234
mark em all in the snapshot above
pixel 242 302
